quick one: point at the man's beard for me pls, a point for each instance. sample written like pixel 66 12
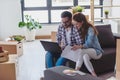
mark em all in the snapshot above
pixel 66 25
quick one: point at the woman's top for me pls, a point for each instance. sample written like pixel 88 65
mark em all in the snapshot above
pixel 91 41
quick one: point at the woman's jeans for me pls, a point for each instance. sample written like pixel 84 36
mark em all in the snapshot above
pixel 50 60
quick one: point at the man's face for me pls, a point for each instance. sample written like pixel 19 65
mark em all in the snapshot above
pixel 66 22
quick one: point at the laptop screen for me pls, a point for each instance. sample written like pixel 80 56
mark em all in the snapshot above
pixel 51 46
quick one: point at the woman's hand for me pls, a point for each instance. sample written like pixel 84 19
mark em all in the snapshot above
pixel 75 47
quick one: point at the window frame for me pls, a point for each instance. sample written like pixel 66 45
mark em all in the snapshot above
pixel 49 7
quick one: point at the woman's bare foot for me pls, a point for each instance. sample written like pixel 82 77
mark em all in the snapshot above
pixel 77 68
pixel 94 74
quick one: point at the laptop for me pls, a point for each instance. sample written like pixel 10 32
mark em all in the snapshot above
pixel 52 47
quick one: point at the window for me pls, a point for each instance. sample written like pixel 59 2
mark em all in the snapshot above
pixel 35 3
pixel 55 15
pixel 84 2
pixel 48 11
pixel 62 2
pixel 41 16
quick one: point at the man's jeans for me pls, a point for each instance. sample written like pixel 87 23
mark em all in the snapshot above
pixel 50 60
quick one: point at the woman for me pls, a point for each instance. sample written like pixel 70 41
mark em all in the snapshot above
pixel 90 49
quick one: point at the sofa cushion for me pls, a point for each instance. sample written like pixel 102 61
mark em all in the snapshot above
pixel 105 36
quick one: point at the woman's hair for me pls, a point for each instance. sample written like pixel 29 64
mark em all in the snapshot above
pixel 79 17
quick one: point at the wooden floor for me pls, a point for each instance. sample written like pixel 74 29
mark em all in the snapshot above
pixel 31 63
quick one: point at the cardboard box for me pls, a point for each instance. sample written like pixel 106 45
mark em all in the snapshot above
pixel 12 47
pixel 9 70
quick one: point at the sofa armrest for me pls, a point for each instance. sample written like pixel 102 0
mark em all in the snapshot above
pixel 116 35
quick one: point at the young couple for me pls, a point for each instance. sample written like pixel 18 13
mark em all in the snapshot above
pixel 78 33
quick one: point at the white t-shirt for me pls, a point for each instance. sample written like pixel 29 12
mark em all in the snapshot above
pixel 68 36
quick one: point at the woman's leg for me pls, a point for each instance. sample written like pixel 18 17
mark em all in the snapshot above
pixel 90 54
pixel 61 61
pixel 88 64
pixel 79 62
pixel 49 60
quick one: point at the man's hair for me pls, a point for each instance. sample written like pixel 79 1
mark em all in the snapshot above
pixel 66 14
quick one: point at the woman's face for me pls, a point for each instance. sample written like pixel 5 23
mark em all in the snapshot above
pixel 77 24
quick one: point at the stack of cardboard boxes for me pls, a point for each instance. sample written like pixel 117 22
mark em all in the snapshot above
pixel 9 70
pixel 12 47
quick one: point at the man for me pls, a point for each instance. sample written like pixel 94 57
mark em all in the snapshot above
pixel 67 34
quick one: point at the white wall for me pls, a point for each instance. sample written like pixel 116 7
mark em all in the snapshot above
pixel 10 15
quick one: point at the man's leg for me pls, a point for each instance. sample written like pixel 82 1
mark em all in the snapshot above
pixel 49 59
pixel 61 61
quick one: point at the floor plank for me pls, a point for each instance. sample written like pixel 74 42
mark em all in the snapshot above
pixel 32 62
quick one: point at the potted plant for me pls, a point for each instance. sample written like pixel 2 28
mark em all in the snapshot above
pixel 31 25
pixel 18 38
pixel 77 9
pixel 106 12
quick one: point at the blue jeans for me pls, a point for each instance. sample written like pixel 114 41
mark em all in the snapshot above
pixel 49 60
pixel 61 61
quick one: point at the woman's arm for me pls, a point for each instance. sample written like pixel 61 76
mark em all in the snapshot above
pixel 89 38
